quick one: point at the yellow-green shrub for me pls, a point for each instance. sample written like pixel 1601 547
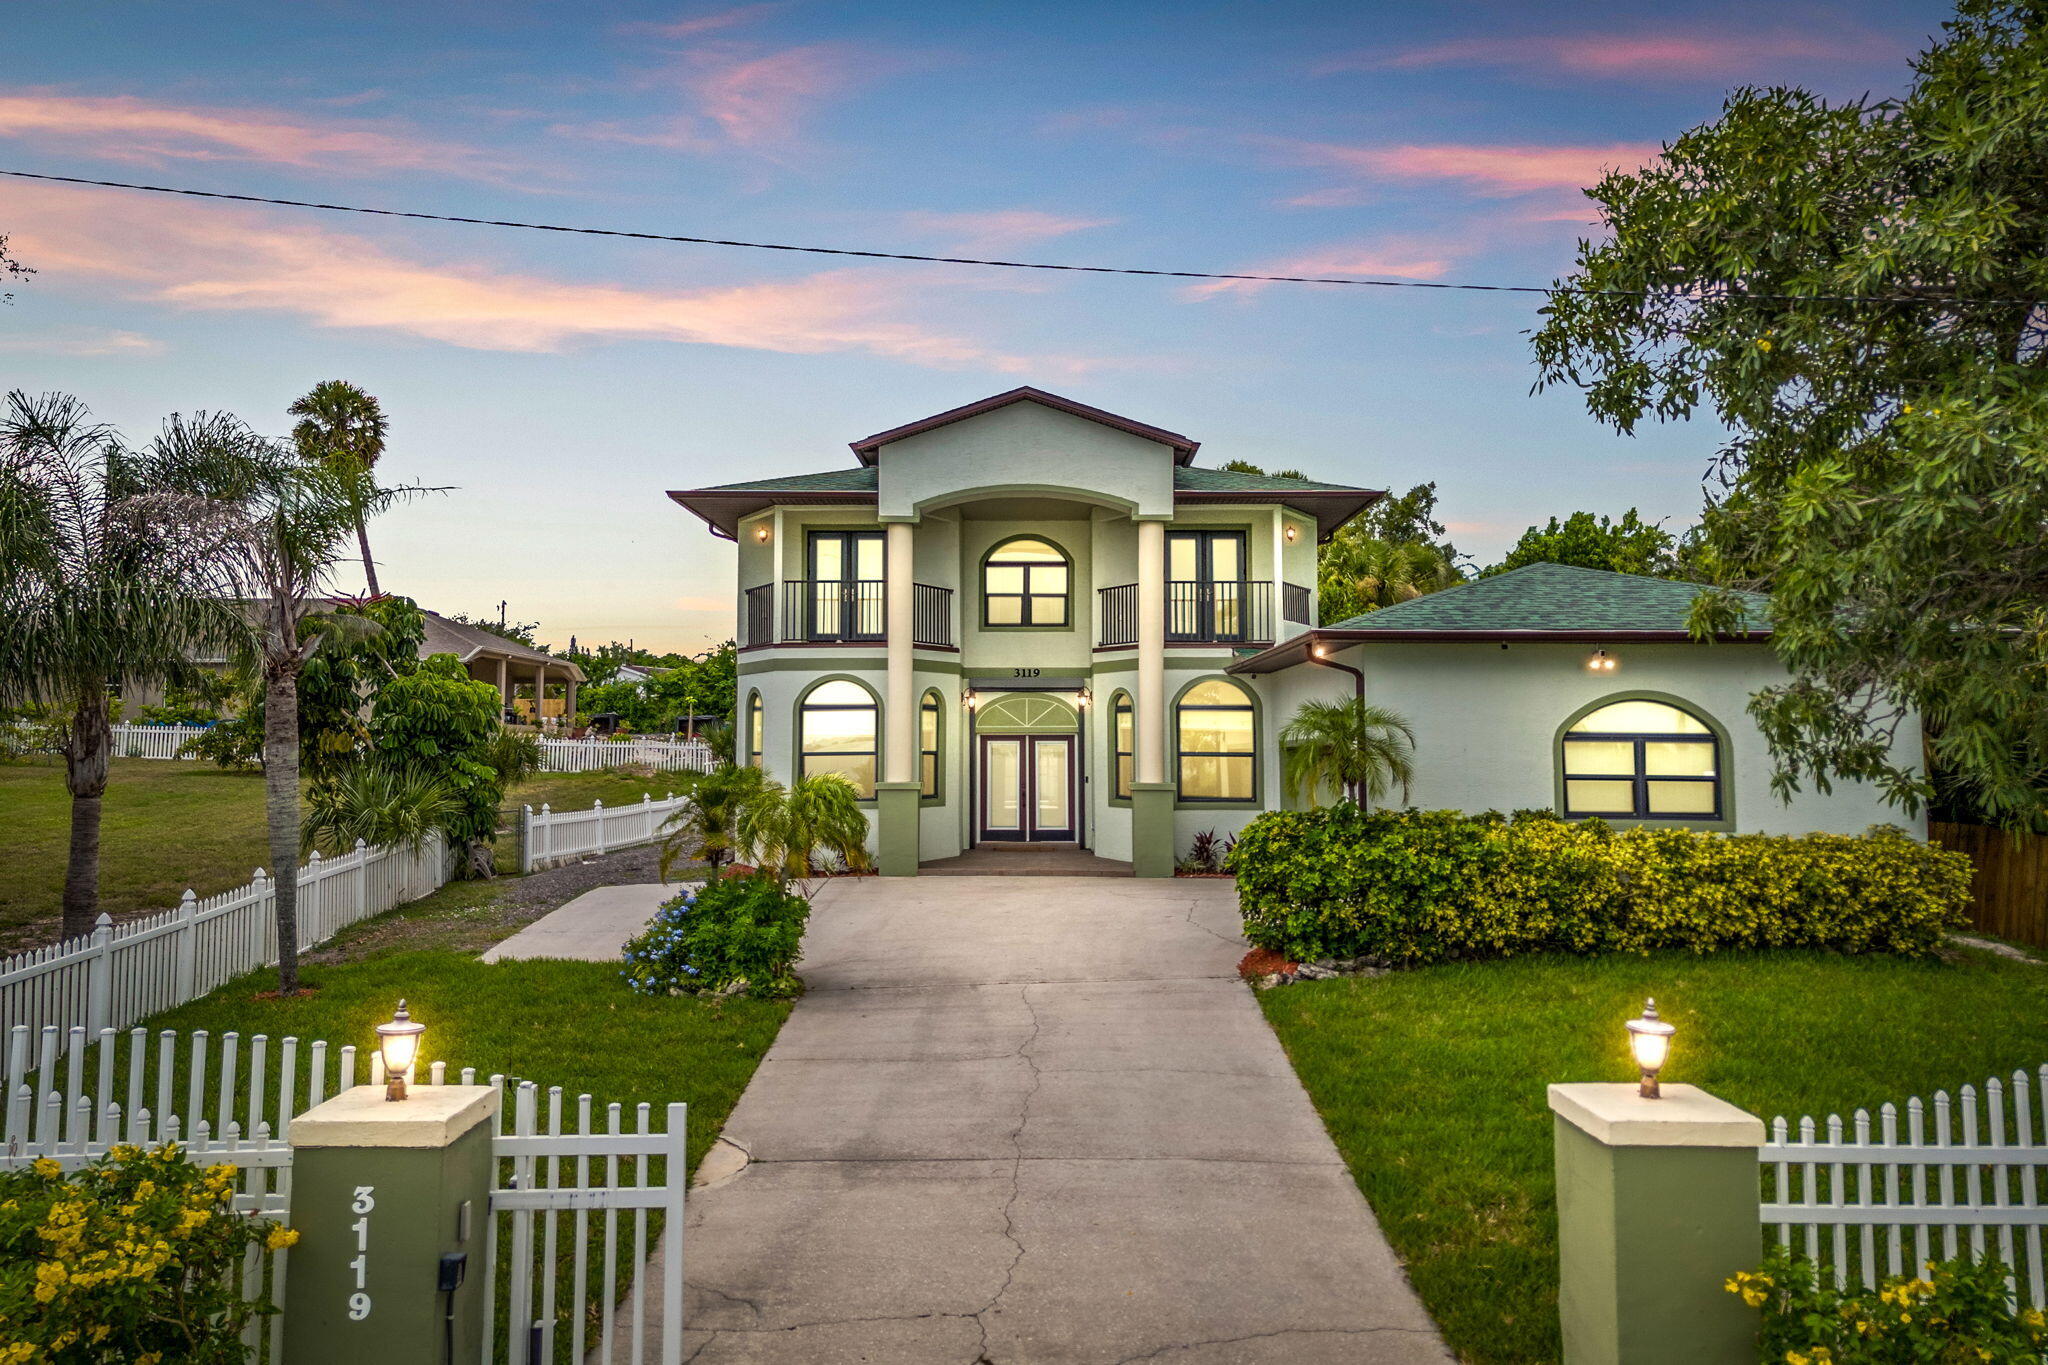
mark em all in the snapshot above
pixel 1412 887
pixel 127 1259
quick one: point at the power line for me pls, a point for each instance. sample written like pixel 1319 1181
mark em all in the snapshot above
pixel 1019 265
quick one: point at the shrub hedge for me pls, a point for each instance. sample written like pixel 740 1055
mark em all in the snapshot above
pixel 1415 887
pixel 742 932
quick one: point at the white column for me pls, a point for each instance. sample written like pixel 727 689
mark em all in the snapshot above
pixel 540 694
pixel 1150 703
pixel 504 683
pixel 899 706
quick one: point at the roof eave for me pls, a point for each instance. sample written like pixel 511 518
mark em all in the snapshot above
pixel 867 448
pixel 728 506
pixel 1280 656
pixel 1330 512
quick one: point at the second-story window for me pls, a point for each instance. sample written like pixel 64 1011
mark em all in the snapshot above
pixel 1025 582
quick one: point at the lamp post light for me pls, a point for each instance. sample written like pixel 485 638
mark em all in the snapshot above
pixel 399 1043
pixel 1650 1039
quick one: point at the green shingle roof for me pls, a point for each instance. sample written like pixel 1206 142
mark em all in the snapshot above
pixel 1545 597
pixel 1188 479
pixel 860 479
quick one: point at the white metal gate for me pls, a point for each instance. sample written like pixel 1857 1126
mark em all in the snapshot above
pixel 555 1181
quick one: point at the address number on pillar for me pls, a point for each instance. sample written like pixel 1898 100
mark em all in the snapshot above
pixel 364 1200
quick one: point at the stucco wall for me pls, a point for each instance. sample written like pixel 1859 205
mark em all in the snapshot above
pixel 1486 719
pixel 1025 446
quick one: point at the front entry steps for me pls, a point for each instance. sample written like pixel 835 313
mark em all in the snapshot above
pixel 995 859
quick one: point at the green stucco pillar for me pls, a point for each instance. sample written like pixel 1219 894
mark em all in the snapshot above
pixel 898 813
pixel 1152 850
pixel 1656 1207
pixel 382 1190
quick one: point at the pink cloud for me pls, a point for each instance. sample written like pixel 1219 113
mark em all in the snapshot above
pixel 997 229
pixel 199 257
pixel 692 25
pixel 1492 169
pixel 1396 258
pixel 738 98
pixel 1684 56
pixel 83 341
pixel 124 128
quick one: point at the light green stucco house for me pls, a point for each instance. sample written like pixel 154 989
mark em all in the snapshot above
pixel 1028 620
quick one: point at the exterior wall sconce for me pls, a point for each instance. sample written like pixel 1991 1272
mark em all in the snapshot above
pixel 1085 698
pixel 1321 652
pixel 1602 662
pixel 761 533
pixel 1289 532
pixel 1649 1038
pixel 399 1043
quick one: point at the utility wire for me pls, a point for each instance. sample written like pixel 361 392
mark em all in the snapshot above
pixel 1025 265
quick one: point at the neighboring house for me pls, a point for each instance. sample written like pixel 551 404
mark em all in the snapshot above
pixel 1030 620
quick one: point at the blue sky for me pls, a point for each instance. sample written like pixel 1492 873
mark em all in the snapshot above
pixel 561 384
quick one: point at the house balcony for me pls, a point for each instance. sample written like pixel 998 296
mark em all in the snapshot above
pixel 841 612
pixel 1238 612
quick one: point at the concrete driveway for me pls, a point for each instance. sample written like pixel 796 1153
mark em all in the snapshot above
pixel 1036 1119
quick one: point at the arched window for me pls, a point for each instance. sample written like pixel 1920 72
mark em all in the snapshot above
pixel 836 726
pixel 1217 743
pixel 1025 582
pixel 1122 748
pixel 756 728
pixel 928 746
pixel 1642 760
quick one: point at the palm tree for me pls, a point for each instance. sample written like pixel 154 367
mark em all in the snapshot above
pixel 1364 751
pixel 376 804
pixel 785 828
pixel 343 427
pixel 708 828
pixel 101 586
pixel 280 524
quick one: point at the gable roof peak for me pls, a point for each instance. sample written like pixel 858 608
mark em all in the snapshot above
pixel 869 447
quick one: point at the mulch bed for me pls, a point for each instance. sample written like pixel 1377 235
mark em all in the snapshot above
pixel 1264 962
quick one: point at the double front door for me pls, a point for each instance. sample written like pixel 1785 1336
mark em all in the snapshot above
pixel 1028 788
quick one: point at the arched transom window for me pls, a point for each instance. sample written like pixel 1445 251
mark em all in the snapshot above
pixel 1217 742
pixel 837 727
pixel 1642 760
pixel 1025 582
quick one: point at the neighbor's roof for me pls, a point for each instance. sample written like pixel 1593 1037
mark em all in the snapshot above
pixel 726 505
pixel 468 643
pixel 1536 602
pixel 1183 448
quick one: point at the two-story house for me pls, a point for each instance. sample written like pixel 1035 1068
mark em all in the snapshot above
pixel 1028 619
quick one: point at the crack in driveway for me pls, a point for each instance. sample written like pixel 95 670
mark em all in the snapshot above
pixel 1016 1175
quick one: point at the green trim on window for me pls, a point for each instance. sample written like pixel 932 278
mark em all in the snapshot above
pixel 1122 698
pixel 797 724
pixel 1256 800
pixel 756 724
pixel 981 586
pixel 1724 760
pixel 932 701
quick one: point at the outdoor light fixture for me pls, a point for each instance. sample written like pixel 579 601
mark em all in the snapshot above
pixel 1601 662
pixel 761 533
pixel 1085 697
pixel 1650 1039
pixel 399 1042
pixel 1320 651
pixel 1289 533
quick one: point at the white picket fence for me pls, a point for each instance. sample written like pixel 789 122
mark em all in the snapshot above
pixel 124 972
pixel 154 741
pixel 1957 1178
pixel 552 1183
pixel 550 836
pixel 590 755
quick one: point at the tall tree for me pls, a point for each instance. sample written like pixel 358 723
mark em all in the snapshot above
pixel 1392 552
pixel 280 524
pixel 1853 289
pixel 343 427
pixel 101 587
pixel 1630 545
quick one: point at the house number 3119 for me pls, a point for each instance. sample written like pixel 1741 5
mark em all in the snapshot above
pixel 365 1200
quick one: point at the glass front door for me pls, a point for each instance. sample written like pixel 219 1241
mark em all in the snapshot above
pixel 1027 788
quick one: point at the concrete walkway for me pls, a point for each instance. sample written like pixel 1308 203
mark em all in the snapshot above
pixel 592 928
pixel 1035 1119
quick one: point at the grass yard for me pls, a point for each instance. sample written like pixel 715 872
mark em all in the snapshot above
pixel 1432 1084
pixel 167 826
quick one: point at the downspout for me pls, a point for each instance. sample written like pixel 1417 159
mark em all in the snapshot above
pixel 1315 656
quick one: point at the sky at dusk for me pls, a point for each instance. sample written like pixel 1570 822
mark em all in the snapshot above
pixel 561 384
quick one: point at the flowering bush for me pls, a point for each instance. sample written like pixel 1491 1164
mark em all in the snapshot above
pixel 129 1259
pixel 738 933
pixel 1414 887
pixel 1957 1315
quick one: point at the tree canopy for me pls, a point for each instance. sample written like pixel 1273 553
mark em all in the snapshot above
pixel 1393 551
pixel 1851 289
pixel 1630 545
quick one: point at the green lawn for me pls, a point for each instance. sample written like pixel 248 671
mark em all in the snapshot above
pixel 1432 1084
pixel 167 826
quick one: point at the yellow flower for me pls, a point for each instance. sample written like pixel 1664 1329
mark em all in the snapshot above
pixel 1764 344
pixel 17 1353
pixel 46 1168
pixel 2032 1318
pixel 50 1277
pixel 280 1238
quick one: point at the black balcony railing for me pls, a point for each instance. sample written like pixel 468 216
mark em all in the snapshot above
pixel 843 611
pixel 1297 604
pixel 1228 612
